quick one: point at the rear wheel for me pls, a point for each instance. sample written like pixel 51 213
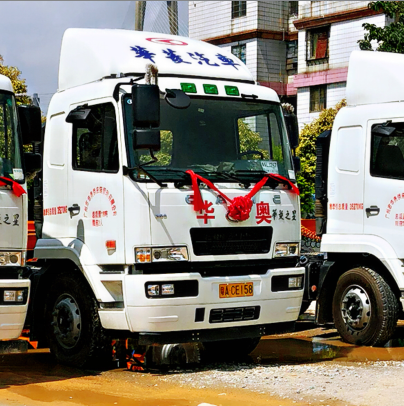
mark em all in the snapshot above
pixel 365 309
pixel 75 334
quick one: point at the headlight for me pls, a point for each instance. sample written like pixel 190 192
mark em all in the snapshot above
pixel 11 259
pixel 287 250
pixel 161 254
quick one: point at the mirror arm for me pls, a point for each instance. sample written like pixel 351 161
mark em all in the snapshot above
pixel 126 170
pixel 115 93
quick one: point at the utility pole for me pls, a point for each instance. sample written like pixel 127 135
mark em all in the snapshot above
pixel 172 10
pixel 140 11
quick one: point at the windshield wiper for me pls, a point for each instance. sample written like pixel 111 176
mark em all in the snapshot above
pixel 228 176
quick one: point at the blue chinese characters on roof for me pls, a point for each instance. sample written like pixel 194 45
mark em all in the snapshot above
pixel 193 57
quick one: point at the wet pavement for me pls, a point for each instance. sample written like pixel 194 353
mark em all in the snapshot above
pixel 33 379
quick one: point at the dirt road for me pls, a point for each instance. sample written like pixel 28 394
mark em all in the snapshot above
pixel 309 367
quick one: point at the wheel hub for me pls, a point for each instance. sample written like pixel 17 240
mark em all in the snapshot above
pixel 355 308
pixel 66 321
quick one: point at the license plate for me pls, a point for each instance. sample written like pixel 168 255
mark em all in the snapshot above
pixel 236 289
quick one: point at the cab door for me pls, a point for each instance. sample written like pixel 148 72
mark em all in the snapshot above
pixel 384 183
pixel 95 200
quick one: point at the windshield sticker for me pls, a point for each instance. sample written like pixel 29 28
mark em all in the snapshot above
pixel 270 166
pixel 291 174
pixel 104 202
pixel 190 58
pixel 18 174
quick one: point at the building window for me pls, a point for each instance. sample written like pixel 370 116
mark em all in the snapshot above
pixel 318 96
pixel 317 44
pixel 238 9
pixel 239 51
pixel 294 8
pixel 291 57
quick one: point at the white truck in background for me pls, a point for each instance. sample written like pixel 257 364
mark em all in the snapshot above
pixel 14 282
pixel 129 243
pixel 360 205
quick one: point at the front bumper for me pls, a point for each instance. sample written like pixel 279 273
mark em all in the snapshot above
pixel 12 317
pixel 181 315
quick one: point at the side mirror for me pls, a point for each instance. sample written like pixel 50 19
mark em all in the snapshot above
pixel 177 99
pixel 33 162
pixel 30 123
pixel 146 139
pixel 146 105
pixel 296 164
pixel 292 127
pixel 78 115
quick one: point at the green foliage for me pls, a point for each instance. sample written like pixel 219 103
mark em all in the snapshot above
pixel 307 153
pixel 19 85
pixel 391 37
pixel 250 140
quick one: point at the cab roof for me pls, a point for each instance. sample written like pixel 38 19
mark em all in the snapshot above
pixel 5 84
pixel 88 55
pixel 375 77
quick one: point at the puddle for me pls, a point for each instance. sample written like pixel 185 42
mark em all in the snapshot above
pixel 326 346
pixel 89 397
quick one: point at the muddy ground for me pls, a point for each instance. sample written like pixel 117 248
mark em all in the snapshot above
pixel 309 367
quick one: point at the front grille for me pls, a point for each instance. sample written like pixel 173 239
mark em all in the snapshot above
pixel 234 314
pixel 231 241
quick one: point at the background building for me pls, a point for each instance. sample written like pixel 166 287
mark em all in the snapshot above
pixel 298 48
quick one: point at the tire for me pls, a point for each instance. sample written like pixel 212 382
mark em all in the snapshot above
pixel 364 308
pixel 75 334
pixel 230 348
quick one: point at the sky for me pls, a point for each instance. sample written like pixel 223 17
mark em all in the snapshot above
pixel 31 33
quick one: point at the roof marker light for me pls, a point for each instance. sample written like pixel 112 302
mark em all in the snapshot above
pixel 188 87
pixel 232 90
pixel 210 89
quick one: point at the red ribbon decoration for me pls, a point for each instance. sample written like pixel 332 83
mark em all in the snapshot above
pixel 17 189
pixel 239 208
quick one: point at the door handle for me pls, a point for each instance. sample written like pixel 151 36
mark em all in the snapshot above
pixel 74 210
pixel 372 211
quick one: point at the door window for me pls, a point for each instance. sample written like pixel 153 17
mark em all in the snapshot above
pixel 95 144
pixel 387 156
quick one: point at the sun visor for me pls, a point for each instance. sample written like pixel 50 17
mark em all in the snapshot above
pixel 375 77
pixel 88 55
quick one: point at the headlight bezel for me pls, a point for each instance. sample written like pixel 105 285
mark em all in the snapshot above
pixel 12 258
pixel 286 249
pixel 145 255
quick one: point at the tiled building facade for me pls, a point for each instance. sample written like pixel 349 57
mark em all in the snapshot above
pixel 299 48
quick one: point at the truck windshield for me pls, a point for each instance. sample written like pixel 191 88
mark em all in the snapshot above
pixel 224 140
pixel 10 151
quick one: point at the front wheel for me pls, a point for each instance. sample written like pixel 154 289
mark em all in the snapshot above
pixel 76 336
pixel 365 309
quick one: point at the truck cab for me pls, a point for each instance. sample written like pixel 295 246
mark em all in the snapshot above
pixel 14 288
pixel 148 142
pixel 359 192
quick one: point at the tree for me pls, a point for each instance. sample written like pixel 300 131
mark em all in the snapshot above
pixel 391 37
pixel 19 85
pixel 307 153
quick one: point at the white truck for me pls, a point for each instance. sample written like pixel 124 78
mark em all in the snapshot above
pixel 360 205
pixel 14 283
pixel 129 244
